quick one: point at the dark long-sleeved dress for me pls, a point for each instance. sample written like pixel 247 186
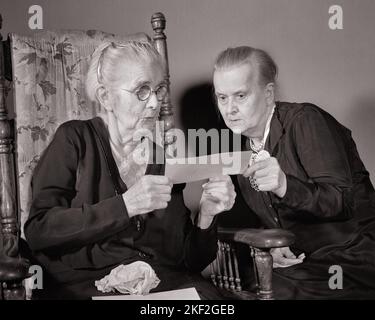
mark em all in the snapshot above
pixel 329 205
pixel 78 228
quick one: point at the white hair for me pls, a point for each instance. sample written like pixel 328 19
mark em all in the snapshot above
pixel 108 56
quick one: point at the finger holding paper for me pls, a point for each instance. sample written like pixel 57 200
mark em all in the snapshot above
pixel 218 196
pixel 268 176
pixel 149 193
pixel 254 158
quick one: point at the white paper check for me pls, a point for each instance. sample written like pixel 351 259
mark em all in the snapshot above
pixel 180 170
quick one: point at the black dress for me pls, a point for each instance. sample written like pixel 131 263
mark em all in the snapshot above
pixel 78 228
pixel 329 205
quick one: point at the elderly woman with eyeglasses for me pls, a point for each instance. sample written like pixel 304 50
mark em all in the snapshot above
pixel 96 207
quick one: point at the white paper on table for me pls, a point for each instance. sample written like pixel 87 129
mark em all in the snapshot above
pixel 180 170
pixel 181 294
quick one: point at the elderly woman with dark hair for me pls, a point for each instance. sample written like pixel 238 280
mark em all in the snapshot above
pixel 95 206
pixel 304 175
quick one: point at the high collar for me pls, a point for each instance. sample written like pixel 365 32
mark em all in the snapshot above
pixel 276 130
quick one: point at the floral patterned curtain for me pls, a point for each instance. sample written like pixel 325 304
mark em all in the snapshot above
pixel 49 69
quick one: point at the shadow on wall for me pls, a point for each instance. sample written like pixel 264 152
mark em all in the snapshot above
pixel 197 108
pixel 198 111
pixel 361 116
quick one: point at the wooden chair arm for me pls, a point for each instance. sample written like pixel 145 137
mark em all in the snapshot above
pixel 258 238
pixel 260 241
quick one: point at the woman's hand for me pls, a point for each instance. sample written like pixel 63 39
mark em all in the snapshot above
pixel 148 194
pixel 268 176
pixel 283 257
pixel 218 196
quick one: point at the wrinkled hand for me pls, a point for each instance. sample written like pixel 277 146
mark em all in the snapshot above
pixel 268 176
pixel 283 257
pixel 218 196
pixel 148 194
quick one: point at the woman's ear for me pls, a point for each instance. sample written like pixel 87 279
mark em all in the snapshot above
pixel 102 95
pixel 270 93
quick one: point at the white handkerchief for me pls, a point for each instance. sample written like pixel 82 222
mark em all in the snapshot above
pixel 135 278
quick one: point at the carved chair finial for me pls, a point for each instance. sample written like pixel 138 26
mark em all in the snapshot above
pixel 158 22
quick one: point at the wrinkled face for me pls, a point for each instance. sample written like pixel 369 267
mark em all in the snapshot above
pixel 131 113
pixel 241 101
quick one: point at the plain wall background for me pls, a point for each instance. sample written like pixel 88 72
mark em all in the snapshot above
pixel 332 68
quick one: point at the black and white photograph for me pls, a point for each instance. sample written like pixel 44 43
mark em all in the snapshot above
pixel 204 152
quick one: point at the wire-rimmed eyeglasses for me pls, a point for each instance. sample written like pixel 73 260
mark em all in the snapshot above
pixel 144 92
